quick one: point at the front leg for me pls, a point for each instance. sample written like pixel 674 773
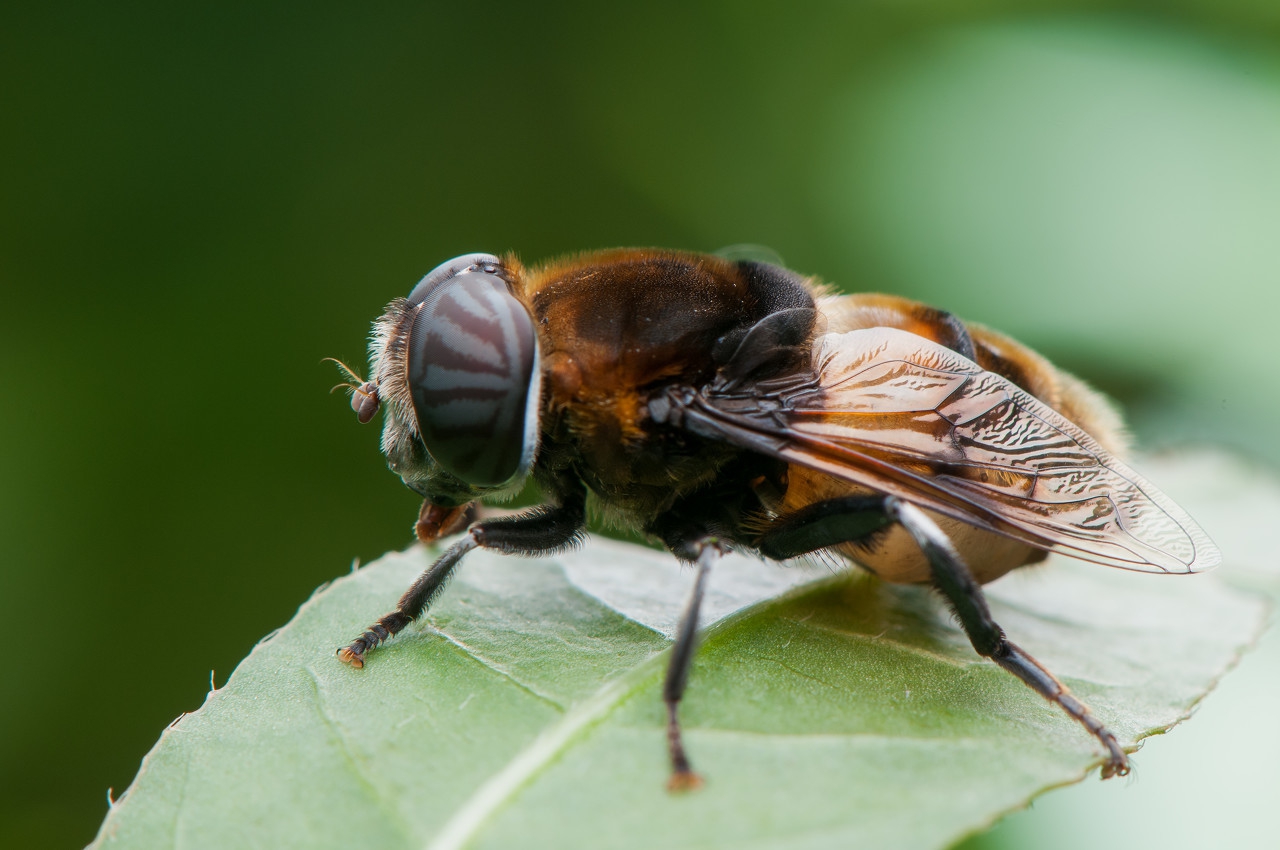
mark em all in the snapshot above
pixel 540 531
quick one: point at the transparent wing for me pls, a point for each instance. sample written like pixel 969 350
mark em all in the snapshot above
pixel 898 413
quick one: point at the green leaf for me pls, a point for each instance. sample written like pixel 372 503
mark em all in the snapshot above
pixel 1212 783
pixel 825 710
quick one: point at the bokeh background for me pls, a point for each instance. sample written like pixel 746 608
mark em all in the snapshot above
pixel 200 201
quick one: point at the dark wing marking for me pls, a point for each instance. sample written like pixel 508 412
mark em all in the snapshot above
pixel 898 413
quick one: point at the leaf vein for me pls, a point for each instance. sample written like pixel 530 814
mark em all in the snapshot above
pixel 506 674
pixel 358 769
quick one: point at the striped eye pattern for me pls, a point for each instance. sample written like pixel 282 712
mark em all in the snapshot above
pixel 487 263
pixel 473 373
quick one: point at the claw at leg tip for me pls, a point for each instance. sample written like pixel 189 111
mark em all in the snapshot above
pixel 682 781
pixel 346 656
pixel 1112 768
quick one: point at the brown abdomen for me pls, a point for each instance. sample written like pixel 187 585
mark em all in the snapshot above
pixel 893 555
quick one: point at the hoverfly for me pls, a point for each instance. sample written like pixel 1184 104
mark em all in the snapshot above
pixel 715 404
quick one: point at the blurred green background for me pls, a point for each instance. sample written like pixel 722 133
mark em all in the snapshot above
pixel 200 201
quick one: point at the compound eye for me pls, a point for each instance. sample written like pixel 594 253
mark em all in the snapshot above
pixel 487 263
pixel 474 378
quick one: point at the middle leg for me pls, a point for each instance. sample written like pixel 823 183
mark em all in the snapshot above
pixel 682 776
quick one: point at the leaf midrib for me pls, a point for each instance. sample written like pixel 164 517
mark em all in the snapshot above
pixel 474 814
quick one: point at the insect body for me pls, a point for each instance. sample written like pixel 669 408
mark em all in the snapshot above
pixel 714 404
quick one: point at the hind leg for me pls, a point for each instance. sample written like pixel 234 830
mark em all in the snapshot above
pixel 847 520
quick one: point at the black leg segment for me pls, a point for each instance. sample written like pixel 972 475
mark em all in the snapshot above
pixel 952 577
pixel 541 531
pixel 682 776
pixel 822 525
